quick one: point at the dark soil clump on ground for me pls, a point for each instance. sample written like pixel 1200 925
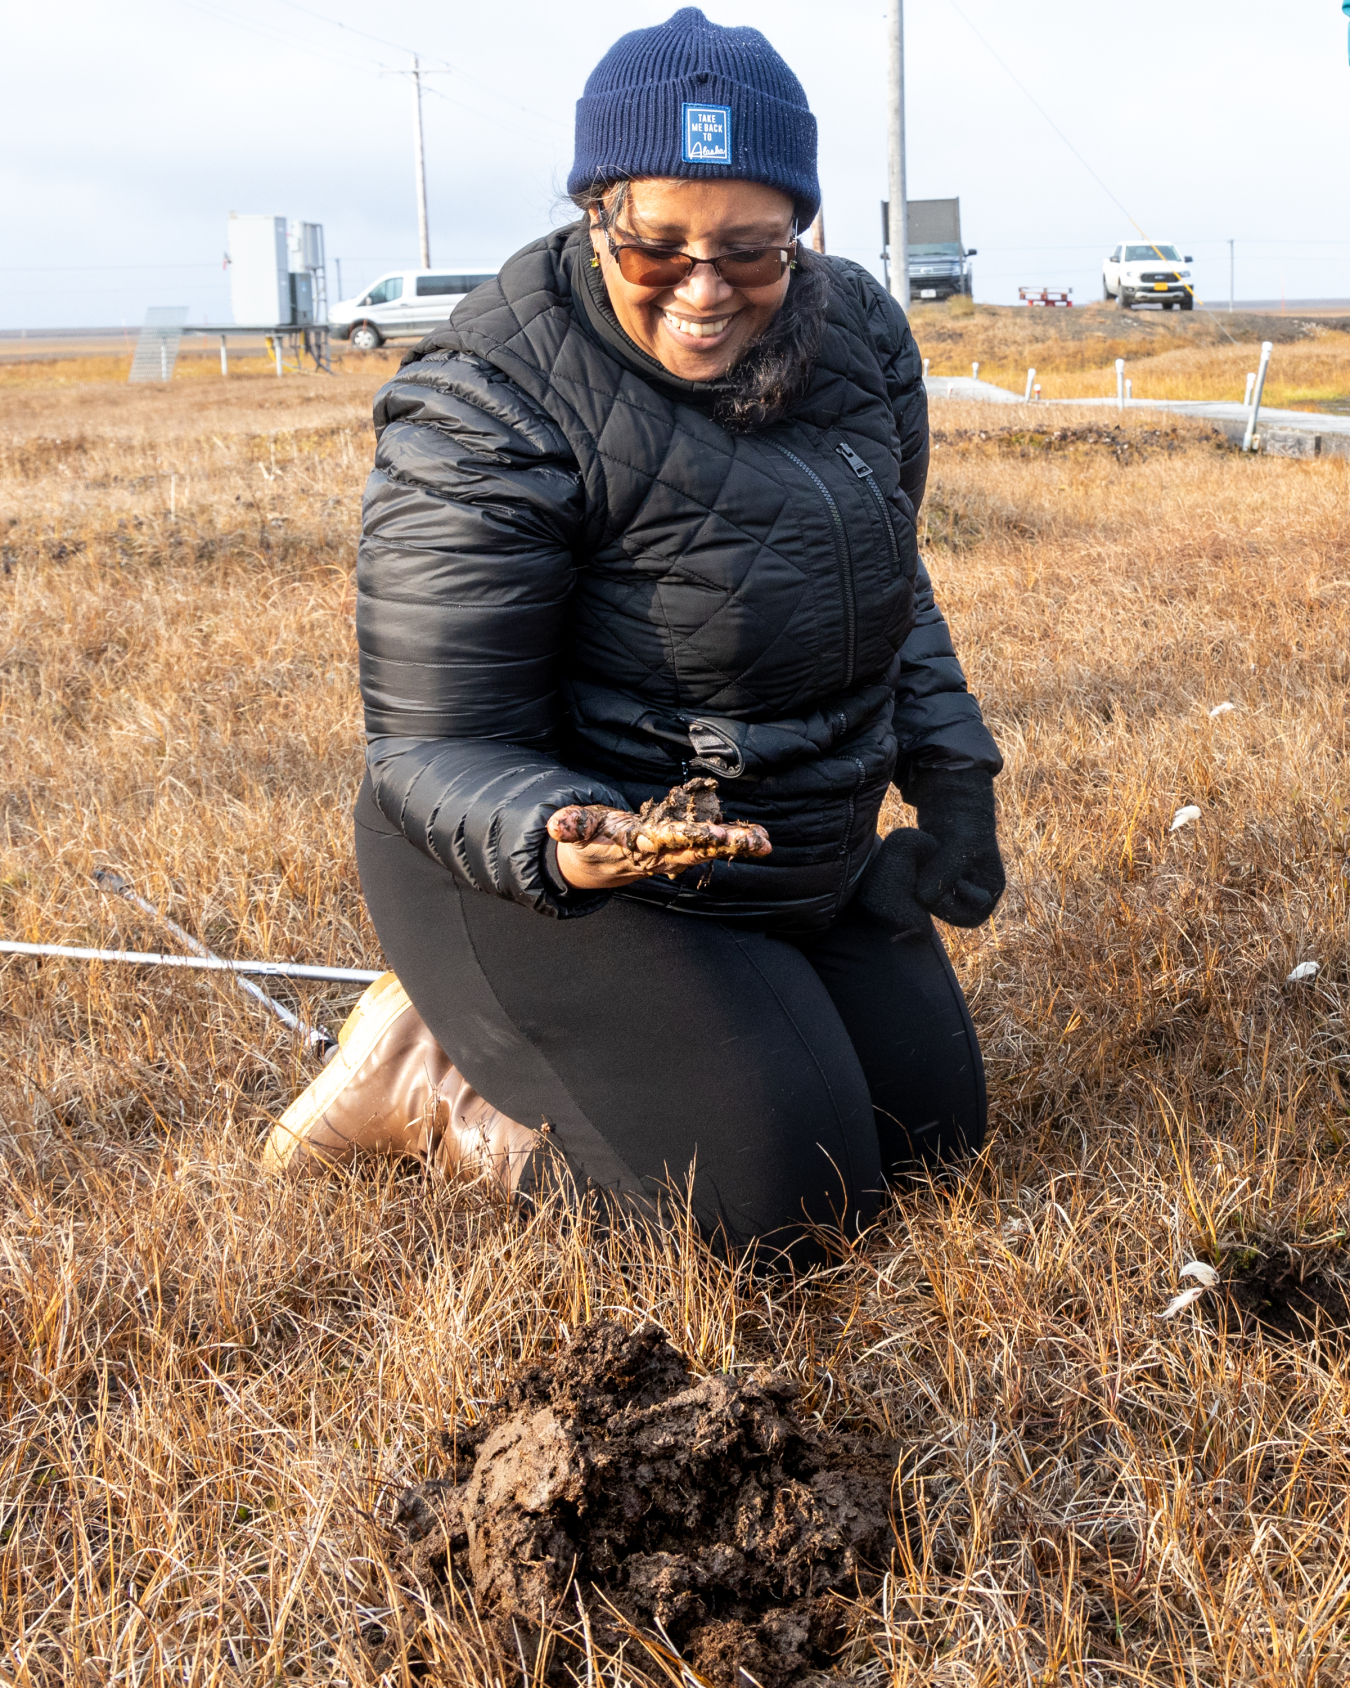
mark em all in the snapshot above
pixel 706 1507
pixel 1134 446
pixel 1286 1292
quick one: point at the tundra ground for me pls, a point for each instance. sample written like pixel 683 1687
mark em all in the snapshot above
pixel 214 1386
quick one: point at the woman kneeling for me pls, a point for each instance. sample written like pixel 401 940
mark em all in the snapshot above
pixel 643 517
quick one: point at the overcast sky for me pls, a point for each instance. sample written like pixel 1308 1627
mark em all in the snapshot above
pixel 130 133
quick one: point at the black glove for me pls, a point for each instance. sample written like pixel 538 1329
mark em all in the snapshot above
pixel 962 880
pixel 949 866
pixel 887 889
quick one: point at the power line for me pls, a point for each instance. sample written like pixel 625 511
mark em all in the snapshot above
pixel 1195 297
pixel 351 29
pixel 1044 113
pixel 433 58
pixel 286 37
pixel 71 269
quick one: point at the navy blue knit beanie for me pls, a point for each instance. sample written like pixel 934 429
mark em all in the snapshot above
pixel 689 98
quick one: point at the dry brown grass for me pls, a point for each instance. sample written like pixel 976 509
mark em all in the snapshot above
pixel 212 1384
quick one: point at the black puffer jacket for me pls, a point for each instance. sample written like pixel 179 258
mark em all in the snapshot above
pixel 575 586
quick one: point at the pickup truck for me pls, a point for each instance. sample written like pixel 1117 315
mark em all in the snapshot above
pixel 1139 270
pixel 938 262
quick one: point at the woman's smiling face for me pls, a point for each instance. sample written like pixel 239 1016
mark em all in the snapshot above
pixel 700 327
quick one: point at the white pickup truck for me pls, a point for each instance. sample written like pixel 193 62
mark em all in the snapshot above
pixel 1138 271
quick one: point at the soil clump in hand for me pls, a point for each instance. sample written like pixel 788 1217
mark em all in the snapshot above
pixel 687 819
pixel 706 1507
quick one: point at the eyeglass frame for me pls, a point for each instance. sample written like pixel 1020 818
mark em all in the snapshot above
pixel 788 254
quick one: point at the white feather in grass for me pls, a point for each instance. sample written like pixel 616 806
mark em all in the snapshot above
pixel 1206 1278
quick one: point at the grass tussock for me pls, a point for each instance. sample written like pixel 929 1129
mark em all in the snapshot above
pixel 214 1386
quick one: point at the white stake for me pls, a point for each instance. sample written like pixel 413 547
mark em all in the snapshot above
pixel 974 371
pixel 1120 383
pixel 224 357
pixel 1249 438
pixel 1247 395
pixel 1031 382
pixel 925 369
pixel 1129 390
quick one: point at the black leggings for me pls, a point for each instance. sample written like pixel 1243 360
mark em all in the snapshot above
pixel 800 1075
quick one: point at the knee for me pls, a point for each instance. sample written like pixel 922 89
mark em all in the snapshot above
pixel 793 1222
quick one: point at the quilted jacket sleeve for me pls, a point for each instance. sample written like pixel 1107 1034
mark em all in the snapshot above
pixel 903 367
pixel 463 579
pixel 937 722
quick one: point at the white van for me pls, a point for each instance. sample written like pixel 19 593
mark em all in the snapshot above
pixel 404 304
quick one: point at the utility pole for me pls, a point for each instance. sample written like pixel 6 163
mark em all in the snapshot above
pixel 1230 278
pixel 419 154
pixel 420 164
pixel 895 133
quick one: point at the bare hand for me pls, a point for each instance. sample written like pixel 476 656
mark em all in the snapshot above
pixel 600 849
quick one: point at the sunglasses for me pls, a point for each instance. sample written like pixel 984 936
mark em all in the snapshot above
pixel 644 266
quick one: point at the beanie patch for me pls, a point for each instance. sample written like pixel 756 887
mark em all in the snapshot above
pixel 707 134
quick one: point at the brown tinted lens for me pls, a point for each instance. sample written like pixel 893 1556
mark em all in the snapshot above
pixel 760 268
pixel 645 268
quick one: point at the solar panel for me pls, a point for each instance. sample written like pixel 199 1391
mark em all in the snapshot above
pixel 157 347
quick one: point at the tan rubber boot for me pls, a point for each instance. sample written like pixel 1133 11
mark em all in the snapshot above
pixel 390 1088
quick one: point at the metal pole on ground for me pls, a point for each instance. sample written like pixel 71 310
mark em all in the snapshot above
pixel 898 221
pixel 1031 382
pixel 1120 383
pixel 203 964
pixel 1249 438
pixel 419 160
pixel 224 357
pixel 318 1036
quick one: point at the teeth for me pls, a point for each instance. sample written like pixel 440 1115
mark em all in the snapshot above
pixel 695 330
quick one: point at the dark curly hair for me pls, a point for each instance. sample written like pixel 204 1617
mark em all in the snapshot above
pixel 773 373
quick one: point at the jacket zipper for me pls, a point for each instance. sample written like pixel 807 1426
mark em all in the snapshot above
pixel 864 473
pixel 842 556
pixel 850 811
